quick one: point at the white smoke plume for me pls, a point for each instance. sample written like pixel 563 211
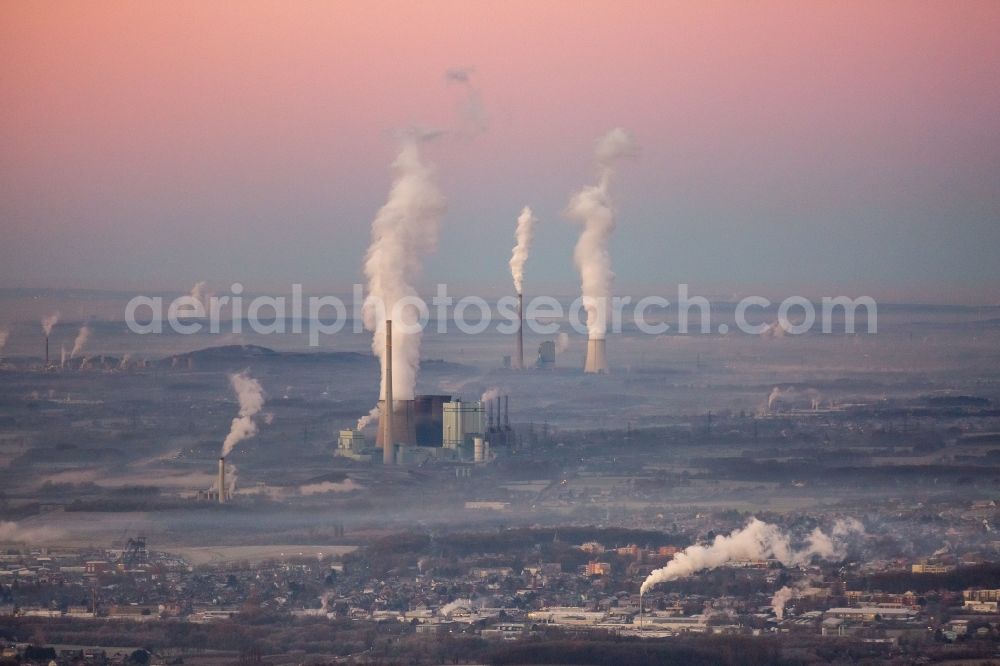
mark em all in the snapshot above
pixel 368 418
pixel 473 114
pixel 4 334
pixel 403 232
pixel 790 394
pixel 562 342
pixel 251 398
pixel 62 356
pixel 593 208
pixel 345 486
pixel 524 235
pixel 757 541
pixel 199 292
pixel 786 594
pixel 82 337
pixel 776 329
pixel 49 322
pixel 778 601
pixel 232 474
pixel 490 394
pixel 453 606
pixel 11 532
pixel 773 397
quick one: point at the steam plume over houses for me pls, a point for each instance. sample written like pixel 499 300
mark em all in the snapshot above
pixel 403 232
pixel 757 541
pixel 593 208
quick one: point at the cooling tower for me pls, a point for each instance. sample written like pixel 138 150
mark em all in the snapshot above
pixel 222 480
pixel 404 429
pixel 597 361
pixel 520 333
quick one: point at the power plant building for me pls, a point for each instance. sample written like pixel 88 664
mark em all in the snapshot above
pixel 546 355
pixel 461 421
pixel 351 444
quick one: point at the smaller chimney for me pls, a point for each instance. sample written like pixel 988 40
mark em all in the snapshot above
pixel 520 332
pixel 388 441
pixel 222 480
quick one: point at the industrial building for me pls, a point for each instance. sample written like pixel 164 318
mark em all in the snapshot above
pixel 461 421
pixel 546 355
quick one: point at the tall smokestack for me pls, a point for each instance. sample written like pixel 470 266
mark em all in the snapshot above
pixel 387 440
pixel 46 351
pixel 520 331
pixel 222 480
pixel 597 361
pixel 524 235
pixel 506 412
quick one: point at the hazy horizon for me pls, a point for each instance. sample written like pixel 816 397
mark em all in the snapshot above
pixel 818 149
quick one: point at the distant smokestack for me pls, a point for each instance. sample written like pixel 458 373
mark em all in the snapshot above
pixel 387 440
pixel 597 360
pixel 48 323
pixel 520 331
pixel 222 480
pixel 489 414
pixel 506 411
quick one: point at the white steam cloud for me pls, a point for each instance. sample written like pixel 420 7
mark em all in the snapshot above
pixel 757 541
pixel 49 322
pixel 562 342
pixel 453 606
pixel 473 114
pixel 82 337
pixel 786 594
pixel 11 532
pixel 251 398
pixel 345 486
pixel 4 333
pixel 524 235
pixel 365 420
pixel 593 208
pixel 403 232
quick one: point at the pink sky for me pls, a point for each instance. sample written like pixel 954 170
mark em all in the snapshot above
pixel 149 145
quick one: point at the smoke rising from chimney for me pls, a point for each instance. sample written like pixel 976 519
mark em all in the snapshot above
pixel 81 340
pixel 251 399
pixel 4 333
pixel 49 322
pixel 403 232
pixel 593 208
pixel 524 235
pixel 757 541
